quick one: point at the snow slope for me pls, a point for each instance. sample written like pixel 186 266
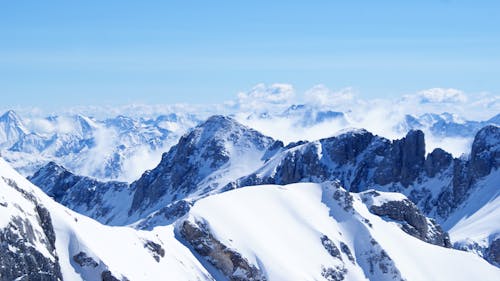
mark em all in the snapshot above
pixel 291 232
pixel 122 251
pixel 279 228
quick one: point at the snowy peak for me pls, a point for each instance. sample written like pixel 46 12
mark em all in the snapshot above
pixel 204 160
pixel 11 128
pixel 495 119
pixel 307 115
pixel 445 124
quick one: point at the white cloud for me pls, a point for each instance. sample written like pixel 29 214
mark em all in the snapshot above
pixel 263 96
pixel 320 95
pixel 442 95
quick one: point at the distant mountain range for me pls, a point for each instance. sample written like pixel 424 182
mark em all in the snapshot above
pixel 221 154
pixel 227 202
pixel 122 148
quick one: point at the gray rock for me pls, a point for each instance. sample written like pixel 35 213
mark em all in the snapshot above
pixel 19 258
pixel 330 247
pixel 333 273
pixel 197 155
pixel 228 261
pixel 85 261
pixel 82 194
pixel 108 276
pixel 437 161
pixel 404 160
pixel 156 250
pixel 493 252
pixel 345 249
pixel 485 153
pixel 413 222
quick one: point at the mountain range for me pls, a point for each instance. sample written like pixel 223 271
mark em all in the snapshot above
pixel 227 202
pixel 123 147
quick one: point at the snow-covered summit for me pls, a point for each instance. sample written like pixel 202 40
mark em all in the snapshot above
pixel 204 160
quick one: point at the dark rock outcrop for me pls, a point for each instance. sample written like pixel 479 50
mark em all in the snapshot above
pixel 82 194
pixel 21 239
pixel 404 160
pixel 334 273
pixel 437 161
pixel 83 260
pixel 345 249
pixel 412 221
pixel 330 247
pixel 228 261
pixel 493 252
pixel 156 249
pixel 485 153
pixel 197 155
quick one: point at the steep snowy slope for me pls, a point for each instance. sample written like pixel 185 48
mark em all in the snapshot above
pixel 42 240
pixel 317 232
pixel 475 225
pixel 212 157
pixel 295 232
pixel 204 161
pixel 103 201
pixel 445 188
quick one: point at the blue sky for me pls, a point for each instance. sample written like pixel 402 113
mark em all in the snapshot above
pixel 61 53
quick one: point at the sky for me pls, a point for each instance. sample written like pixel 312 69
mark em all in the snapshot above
pixel 65 53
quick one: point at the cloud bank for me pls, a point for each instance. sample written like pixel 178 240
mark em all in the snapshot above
pixel 277 110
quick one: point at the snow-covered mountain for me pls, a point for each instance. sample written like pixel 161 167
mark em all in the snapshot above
pixel 307 231
pixel 221 154
pixel 123 147
pixel 204 161
pixel 43 240
pixel 115 148
pixel 450 190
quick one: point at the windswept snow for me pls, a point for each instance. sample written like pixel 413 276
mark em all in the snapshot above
pixel 278 229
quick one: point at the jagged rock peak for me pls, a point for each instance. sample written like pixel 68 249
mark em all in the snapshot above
pixel 11 116
pixel 489 135
pixel 485 153
pixel 211 146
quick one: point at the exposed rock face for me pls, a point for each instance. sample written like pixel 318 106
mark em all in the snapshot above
pixel 83 260
pixel 156 249
pixel 437 161
pixel 413 221
pixel 380 264
pixel 484 157
pixel 334 274
pixel 330 247
pixel 229 262
pixel 404 160
pixel 108 276
pixel 358 159
pixel 494 252
pixel 347 147
pixel 345 249
pixel 485 153
pixel 82 194
pixel 19 259
pixel 300 165
pixel 198 154
pixel 166 215
pixel 25 244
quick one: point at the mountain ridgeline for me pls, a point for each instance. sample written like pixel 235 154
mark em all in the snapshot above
pixel 220 155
